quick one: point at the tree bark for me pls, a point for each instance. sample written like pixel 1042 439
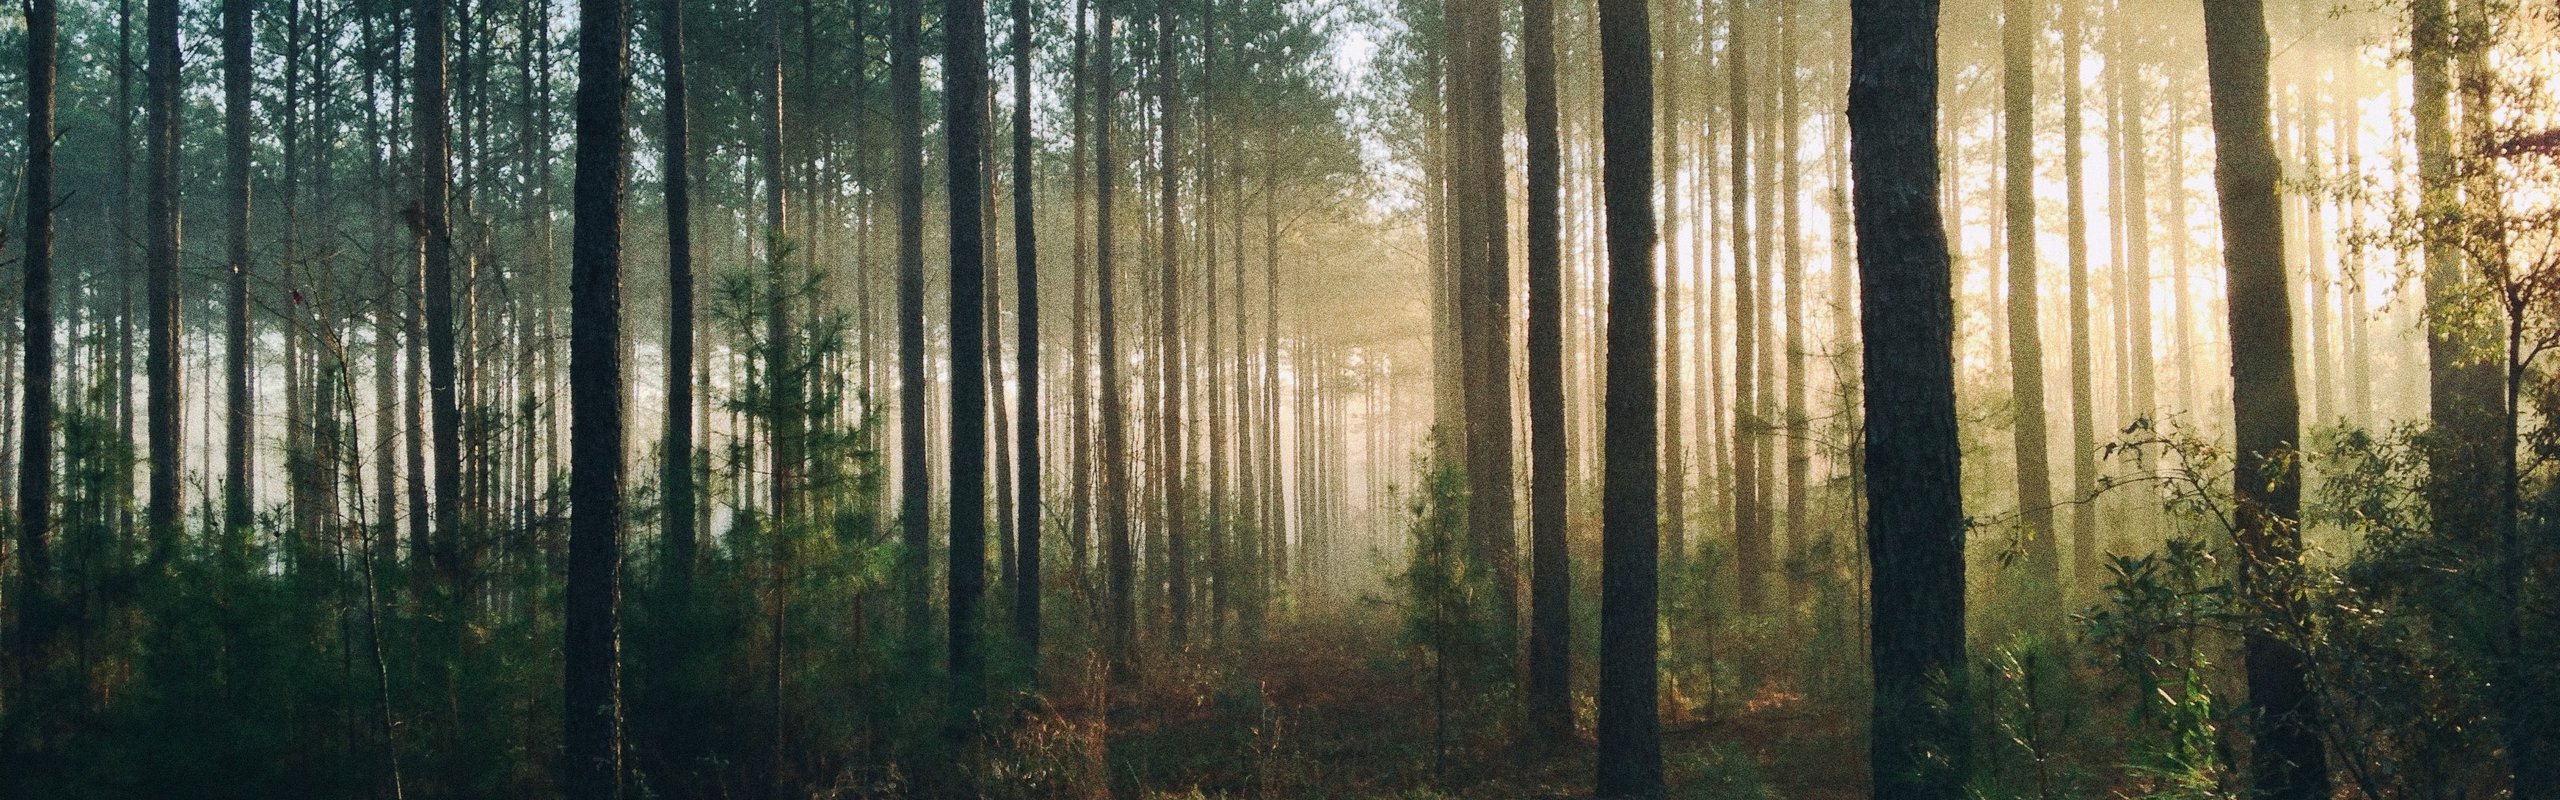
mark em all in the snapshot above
pixel 2288 762
pixel 33 632
pixel 1630 763
pixel 160 213
pixel 1482 291
pixel 238 414
pixel 676 166
pixel 1026 266
pixel 906 89
pixel 964 91
pixel 1918 747
pixel 592 722
pixel 435 171
pixel 1121 622
pixel 2018 34
pixel 2084 439
pixel 1550 580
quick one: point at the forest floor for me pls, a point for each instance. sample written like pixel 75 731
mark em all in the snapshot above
pixel 1334 707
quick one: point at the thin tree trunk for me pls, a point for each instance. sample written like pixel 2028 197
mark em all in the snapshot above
pixel 2084 444
pixel 1751 531
pixel 2018 34
pixel 906 89
pixel 1550 580
pixel 676 166
pixel 1026 265
pixel 1121 623
pixel 238 414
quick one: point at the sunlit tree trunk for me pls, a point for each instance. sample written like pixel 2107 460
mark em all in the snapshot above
pixel 1799 431
pixel 1750 526
pixel 1170 425
pixel 2018 34
pixel 2084 445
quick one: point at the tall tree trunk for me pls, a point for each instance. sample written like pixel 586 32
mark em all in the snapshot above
pixel 1483 290
pixel 1170 424
pixel 1121 623
pixel 1630 739
pixel 592 723
pixel 2084 444
pixel 1026 266
pixel 1080 456
pixel 2018 34
pixel 160 215
pixel 33 604
pixel 435 171
pixel 1919 744
pixel 238 415
pixel 906 90
pixel 964 93
pixel 675 165
pixel 1799 435
pixel 1550 579
pixel 783 375
pixel 1751 528
pixel 2287 762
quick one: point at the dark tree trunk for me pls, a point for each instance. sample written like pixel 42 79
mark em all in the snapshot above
pixel 1080 456
pixel 675 166
pixel 1550 579
pixel 1026 266
pixel 160 215
pixel 783 376
pixel 906 90
pixel 1750 523
pixel 238 415
pixel 2287 763
pixel 1915 527
pixel 1121 621
pixel 34 602
pixel 435 171
pixel 592 723
pixel 964 91
pixel 1482 284
pixel 2018 33
pixel 1630 738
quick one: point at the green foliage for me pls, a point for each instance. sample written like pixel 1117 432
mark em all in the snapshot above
pixel 1452 627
